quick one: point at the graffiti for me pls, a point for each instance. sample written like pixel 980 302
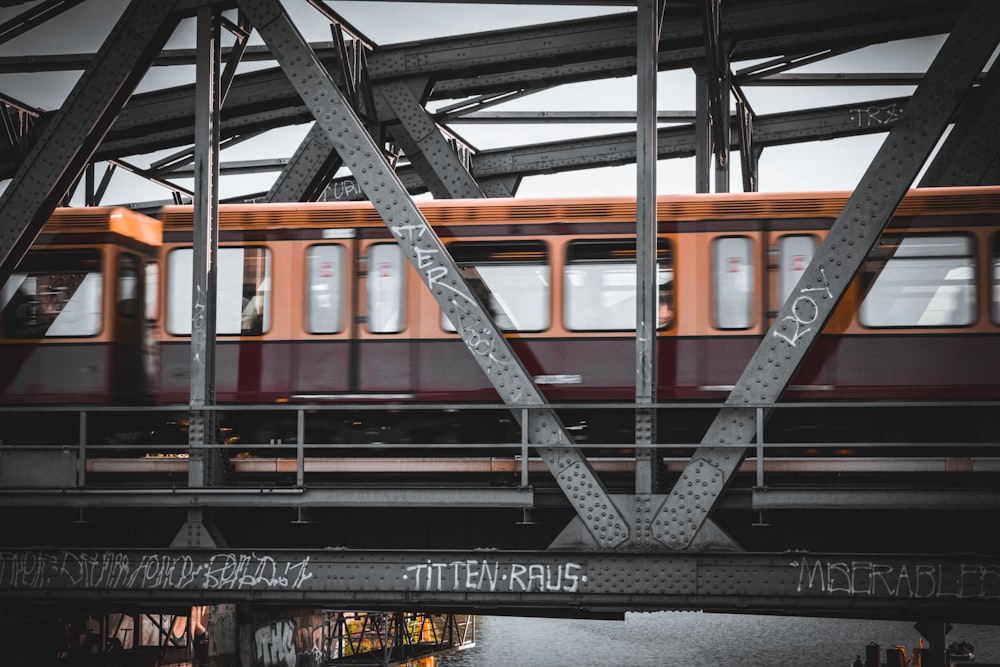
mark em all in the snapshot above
pixel 474 575
pixel 286 643
pixel 273 644
pixel 805 310
pixel 343 190
pixel 873 579
pixel 877 116
pixel 466 314
pixel 199 327
pixel 116 570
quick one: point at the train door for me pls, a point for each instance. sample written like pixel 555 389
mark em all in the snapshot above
pixel 384 362
pixel 729 331
pixel 323 358
pixel 789 253
pixel 131 348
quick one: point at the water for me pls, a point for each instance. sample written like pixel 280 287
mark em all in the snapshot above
pixel 694 639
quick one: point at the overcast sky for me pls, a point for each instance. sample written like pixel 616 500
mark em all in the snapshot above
pixel 827 165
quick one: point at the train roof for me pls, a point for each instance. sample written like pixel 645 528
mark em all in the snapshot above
pixel 113 219
pixel 728 206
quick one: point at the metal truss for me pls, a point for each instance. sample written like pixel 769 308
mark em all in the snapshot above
pixel 581 50
pixel 380 638
pixel 679 521
pixel 682 521
pixel 603 520
pixel 70 138
pixel 960 588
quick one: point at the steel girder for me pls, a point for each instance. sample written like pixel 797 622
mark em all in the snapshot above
pixel 956 588
pixel 682 520
pixel 309 172
pixel 353 496
pixel 70 138
pixel 647 465
pixel 265 99
pixel 400 103
pixel 672 142
pixel 971 153
pixel 602 519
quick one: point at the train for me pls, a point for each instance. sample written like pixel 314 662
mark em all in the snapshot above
pixel 317 305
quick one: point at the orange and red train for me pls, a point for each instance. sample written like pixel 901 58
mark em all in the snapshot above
pixel 317 304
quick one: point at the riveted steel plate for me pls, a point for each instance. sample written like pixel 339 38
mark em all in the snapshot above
pixel 960 587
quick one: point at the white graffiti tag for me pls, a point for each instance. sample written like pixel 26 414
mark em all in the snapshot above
pixel 805 310
pixel 865 578
pixel 116 570
pixel 475 575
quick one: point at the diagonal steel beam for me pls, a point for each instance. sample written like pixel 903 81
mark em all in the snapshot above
pixel 439 272
pixel 974 142
pixel 429 151
pixel 69 140
pixel 33 17
pixel 909 143
pixel 309 171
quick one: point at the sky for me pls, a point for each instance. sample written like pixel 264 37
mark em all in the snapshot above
pixel 828 165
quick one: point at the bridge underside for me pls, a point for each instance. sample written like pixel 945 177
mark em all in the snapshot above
pixel 544 583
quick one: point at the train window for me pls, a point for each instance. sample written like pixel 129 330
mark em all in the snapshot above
pixel 386 288
pixel 243 304
pixel 324 289
pixel 733 280
pixel 794 254
pixel 511 278
pixel 920 281
pixel 996 279
pixel 53 293
pixel 151 291
pixel 600 285
pixel 128 285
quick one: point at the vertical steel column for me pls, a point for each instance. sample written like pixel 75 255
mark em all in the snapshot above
pixel 852 235
pixel 81 455
pixel 596 510
pixel 702 135
pixel 722 161
pixel 646 298
pixel 201 430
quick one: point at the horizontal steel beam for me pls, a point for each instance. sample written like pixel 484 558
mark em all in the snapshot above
pixel 770 498
pixel 348 496
pixel 512 465
pixel 953 587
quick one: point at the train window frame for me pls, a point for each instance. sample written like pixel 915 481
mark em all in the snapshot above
pixel 995 288
pixel 151 291
pixel 476 258
pixel 875 314
pixel 385 284
pixel 792 262
pixel 585 258
pixel 128 285
pixel 89 323
pixel 726 317
pixel 248 303
pixel 316 293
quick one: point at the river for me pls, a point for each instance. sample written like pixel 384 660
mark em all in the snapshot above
pixel 694 639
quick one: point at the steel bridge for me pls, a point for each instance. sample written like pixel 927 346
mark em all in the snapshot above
pixel 543 525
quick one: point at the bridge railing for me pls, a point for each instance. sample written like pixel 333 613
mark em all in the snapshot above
pixel 62 447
